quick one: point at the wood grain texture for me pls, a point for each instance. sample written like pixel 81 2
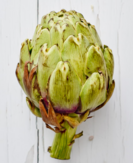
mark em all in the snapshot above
pixel 17 124
pixel 24 138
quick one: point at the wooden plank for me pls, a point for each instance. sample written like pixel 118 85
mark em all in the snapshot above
pixel 17 125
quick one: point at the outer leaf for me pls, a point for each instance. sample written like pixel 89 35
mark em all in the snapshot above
pixel 94 61
pixel 71 52
pixel 93 92
pixel 48 59
pixel 109 59
pixel 43 36
pixel 64 88
pixel 33 108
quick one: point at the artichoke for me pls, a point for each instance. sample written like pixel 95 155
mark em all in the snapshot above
pixel 66 73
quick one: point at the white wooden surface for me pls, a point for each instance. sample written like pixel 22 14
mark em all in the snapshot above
pixel 23 138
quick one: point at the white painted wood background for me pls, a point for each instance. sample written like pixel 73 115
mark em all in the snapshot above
pixel 23 138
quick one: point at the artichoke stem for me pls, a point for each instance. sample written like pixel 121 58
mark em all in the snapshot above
pixel 62 144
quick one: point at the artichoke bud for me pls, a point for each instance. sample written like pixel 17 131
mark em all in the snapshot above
pixel 63 60
pixel 66 74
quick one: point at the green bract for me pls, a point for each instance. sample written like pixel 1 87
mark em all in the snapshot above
pixel 65 72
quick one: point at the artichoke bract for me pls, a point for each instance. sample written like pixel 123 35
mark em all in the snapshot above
pixel 66 73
